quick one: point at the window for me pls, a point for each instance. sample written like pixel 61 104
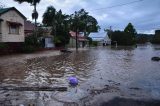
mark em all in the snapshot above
pixel 13 29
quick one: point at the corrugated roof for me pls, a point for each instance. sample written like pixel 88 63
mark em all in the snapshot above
pixel 4 10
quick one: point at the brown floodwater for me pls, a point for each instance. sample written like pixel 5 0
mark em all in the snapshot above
pixel 103 73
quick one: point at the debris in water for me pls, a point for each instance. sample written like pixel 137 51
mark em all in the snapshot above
pixel 73 81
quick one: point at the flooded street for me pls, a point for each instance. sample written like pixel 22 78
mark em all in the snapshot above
pixel 103 73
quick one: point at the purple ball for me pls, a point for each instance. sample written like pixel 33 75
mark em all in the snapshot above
pixel 73 81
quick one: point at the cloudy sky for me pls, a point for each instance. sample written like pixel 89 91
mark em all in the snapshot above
pixel 144 14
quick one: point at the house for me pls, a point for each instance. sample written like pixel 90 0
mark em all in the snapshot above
pixel 11 25
pixel 81 39
pixel 102 38
pixel 47 38
pixel 106 40
pixel 29 28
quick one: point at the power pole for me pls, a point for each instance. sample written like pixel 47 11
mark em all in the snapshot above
pixel 35 10
pixel 110 29
pixel 35 16
pixel 76 21
pixel 76 39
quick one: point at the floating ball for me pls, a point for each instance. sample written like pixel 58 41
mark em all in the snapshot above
pixel 73 81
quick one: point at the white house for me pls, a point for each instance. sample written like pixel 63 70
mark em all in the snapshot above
pixel 101 37
pixel 106 40
pixel 11 25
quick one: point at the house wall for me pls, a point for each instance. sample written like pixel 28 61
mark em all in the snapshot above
pixel 107 40
pixel 72 43
pixel 12 16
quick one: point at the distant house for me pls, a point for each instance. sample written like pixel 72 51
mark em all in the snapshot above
pixel 11 25
pixel 81 39
pixel 28 28
pixel 101 38
pixel 97 37
pixel 47 38
pixel 106 40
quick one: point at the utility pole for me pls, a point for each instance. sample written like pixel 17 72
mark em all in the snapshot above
pixel 110 29
pixel 35 16
pixel 35 10
pixel 76 21
pixel 76 39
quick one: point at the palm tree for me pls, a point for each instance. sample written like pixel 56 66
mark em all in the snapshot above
pixel 34 3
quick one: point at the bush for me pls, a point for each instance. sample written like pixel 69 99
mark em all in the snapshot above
pixel 31 44
pixel 3 46
pixel 94 43
pixel 122 38
pixel 156 37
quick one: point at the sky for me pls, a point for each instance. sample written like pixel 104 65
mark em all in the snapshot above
pixel 143 14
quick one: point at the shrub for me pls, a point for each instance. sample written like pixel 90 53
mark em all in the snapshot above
pixel 3 46
pixel 94 43
pixel 31 44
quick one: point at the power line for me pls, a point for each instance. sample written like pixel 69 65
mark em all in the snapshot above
pixel 119 5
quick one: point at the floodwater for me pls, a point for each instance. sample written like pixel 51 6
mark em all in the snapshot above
pixel 103 73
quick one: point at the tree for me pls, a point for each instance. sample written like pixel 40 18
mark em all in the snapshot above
pixel 131 31
pixel 126 37
pixel 49 17
pixel 59 23
pixel 156 37
pixel 143 38
pixel 83 22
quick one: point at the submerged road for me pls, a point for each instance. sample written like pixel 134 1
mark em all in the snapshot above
pixel 106 75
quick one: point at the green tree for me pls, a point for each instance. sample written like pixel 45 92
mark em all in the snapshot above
pixel 82 21
pixel 131 31
pixel 49 17
pixel 156 37
pixel 143 38
pixel 126 37
pixel 59 23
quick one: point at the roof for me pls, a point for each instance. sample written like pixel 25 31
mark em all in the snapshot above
pixel 80 36
pixel 4 10
pixel 97 34
pixel 29 26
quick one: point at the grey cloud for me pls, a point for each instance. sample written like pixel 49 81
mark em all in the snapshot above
pixel 144 15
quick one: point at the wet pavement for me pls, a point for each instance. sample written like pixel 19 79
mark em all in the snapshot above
pixel 103 73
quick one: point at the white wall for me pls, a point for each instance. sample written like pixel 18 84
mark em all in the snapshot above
pixel 14 17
